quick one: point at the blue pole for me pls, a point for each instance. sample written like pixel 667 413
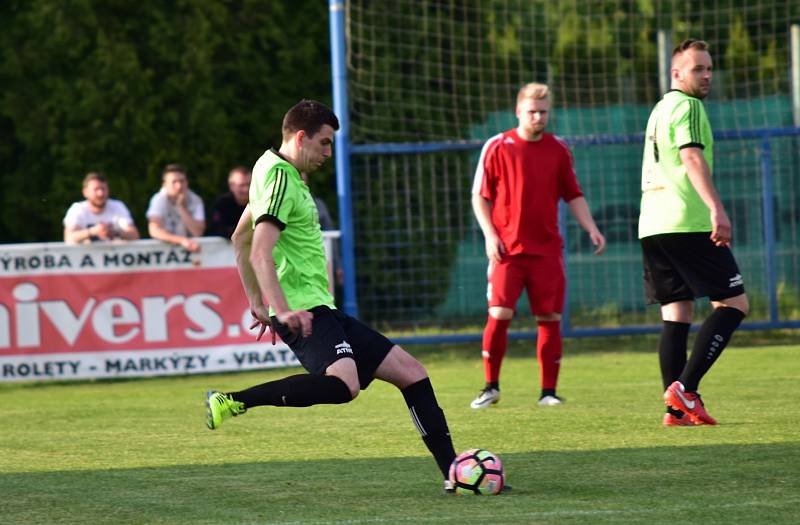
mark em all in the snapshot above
pixel 342 152
pixel 769 226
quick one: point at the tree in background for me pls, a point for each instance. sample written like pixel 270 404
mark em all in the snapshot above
pixel 126 87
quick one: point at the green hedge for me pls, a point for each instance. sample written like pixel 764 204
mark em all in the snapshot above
pixel 126 87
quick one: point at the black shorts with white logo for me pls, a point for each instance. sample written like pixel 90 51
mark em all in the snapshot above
pixel 684 266
pixel 336 335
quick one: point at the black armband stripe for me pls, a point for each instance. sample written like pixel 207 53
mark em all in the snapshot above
pixel 694 119
pixel 697 137
pixel 273 219
pixel 278 192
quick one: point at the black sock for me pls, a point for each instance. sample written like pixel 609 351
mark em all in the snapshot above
pixel 430 422
pixel 548 392
pixel 493 384
pixel 301 390
pixel 676 413
pixel 712 338
pixel 672 346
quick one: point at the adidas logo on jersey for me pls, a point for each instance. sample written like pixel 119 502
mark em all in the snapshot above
pixel 343 348
pixel 736 280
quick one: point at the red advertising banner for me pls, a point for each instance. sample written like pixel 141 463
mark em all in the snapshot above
pixel 141 308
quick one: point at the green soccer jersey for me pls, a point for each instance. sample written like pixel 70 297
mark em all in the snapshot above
pixel 278 194
pixel 670 204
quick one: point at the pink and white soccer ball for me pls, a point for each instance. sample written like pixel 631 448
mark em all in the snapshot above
pixel 477 471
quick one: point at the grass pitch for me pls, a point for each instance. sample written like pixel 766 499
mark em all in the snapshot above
pixel 136 452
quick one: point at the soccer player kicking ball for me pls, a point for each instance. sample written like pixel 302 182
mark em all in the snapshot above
pixel 685 236
pixel 280 256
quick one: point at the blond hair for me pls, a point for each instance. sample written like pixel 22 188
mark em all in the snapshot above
pixel 534 90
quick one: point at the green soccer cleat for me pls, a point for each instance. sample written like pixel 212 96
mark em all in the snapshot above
pixel 220 407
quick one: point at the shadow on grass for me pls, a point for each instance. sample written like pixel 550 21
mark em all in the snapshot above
pixel 698 484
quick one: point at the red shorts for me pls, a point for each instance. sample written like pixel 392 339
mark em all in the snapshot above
pixel 542 276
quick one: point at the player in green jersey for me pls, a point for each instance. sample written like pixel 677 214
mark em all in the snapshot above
pixel 685 236
pixel 280 257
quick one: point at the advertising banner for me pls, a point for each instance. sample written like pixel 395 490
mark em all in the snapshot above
pixel 108 310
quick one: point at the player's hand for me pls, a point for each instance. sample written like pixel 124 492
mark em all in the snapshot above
pixel 261 317
pixel 495 249
pixel 297 321
pixel 599 242
pixel 721 231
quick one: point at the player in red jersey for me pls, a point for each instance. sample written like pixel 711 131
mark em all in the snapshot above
pixel 521 176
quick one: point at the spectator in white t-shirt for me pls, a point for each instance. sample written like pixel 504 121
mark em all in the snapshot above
pixel 176 213
pixel 98 218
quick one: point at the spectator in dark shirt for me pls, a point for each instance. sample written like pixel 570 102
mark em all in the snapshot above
pixel 229 206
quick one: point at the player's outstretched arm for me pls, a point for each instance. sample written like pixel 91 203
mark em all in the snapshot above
pixel 580 210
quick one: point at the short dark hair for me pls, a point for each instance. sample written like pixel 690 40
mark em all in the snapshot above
pixel 690 43
pixel 244 170
pixel 174 168
pixel 309 116
pixel 99 176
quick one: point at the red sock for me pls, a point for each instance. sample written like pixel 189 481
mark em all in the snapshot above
pixel 548 351
pixel 495 342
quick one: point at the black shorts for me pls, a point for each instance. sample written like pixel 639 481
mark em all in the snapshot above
pixel 336 335
pixel 684 266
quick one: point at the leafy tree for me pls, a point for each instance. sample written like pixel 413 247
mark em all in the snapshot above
pixel 126 87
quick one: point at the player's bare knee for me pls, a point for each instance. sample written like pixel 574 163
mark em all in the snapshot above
pixel 352 385
pixel 411 369
pixel 740 302
pixel 345 369
pixel 416 372
pixel 501 313
pixel 400 369
pixel 354 391
pixel 678 311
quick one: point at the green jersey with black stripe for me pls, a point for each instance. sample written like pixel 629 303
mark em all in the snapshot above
pixel 279 195
pixel 670 204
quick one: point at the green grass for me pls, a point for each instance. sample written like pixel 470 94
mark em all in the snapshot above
pixel 138 451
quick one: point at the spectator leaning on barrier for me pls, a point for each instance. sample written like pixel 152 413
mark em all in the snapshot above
pixel 230 206
pixel 98 218
pixel 176 213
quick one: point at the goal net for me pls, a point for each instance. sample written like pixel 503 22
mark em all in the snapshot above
pixel 430 80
